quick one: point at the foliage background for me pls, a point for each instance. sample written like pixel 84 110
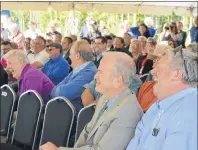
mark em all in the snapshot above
pixel 42 18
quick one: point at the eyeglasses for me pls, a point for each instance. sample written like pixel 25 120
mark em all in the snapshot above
pixel 50 49
pixel 97 43
pixel 185 67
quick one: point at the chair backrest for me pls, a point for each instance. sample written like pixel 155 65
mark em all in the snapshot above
pixel 28 115
pixel 58 119
pixel 84 116
pixel 7 102
pixel 143 77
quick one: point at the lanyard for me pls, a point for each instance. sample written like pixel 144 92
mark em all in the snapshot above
pixel 142 65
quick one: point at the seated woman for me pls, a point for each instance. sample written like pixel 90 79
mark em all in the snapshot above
pixel 136 49
pixel 144 65
pixel 142 30
pixel 29 78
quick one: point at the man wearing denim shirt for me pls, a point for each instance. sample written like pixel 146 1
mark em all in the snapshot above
pixel 57 68
pixel 171 122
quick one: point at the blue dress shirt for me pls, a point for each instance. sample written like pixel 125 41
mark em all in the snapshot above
pixel 72 86
pixel 111 102
pixel 194 34
pixel 56 69
pixel 170 124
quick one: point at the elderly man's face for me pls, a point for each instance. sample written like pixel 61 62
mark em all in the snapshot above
pixel 163 76
pixel 104 78
pixel 14 66
pixel 74 56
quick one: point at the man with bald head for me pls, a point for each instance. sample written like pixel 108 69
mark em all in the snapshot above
pixel 117 112
pixel 83 72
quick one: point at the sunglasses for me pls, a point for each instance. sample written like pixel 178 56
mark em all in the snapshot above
pixel 49 49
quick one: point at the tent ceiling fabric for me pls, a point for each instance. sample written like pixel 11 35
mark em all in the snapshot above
pixel 153 8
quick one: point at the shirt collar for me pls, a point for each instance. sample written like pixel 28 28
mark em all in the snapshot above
pixel 25 69
pixel 99 56
pixel 174 98
pixel 56 59
pixel 42 51
pixel 65 52
pixel 78 69
pixel 110 102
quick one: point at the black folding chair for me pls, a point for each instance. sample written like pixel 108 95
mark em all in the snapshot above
pixel 14 86
pixel 27 120
pixel 7 101
pixel 58 119
pixel 85 115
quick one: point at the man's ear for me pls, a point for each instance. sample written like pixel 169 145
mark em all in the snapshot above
pixel 177 75
pixel 77 55
pixel 118 81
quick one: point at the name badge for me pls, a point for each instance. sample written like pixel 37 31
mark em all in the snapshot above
pixel 4 94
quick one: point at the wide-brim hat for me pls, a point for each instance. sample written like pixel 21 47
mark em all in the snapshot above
pixel 160 50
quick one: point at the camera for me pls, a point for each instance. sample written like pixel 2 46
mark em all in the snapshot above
pixel 166 28
pixel 169 28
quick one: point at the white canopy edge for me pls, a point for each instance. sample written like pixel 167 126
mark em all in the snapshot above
pixel 152 8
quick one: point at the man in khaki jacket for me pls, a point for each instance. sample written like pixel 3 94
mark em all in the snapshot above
pixel 117 112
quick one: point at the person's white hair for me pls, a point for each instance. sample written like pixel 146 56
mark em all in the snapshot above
pixel 19 54
pixel 125 66
pixel 187 62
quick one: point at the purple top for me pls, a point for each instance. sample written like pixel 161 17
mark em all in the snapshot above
pixel 33 79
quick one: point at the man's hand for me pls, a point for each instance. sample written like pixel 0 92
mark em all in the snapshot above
pixel 48 146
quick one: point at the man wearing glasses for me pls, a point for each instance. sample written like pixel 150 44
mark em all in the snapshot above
pixel 171 122
pixel 57 68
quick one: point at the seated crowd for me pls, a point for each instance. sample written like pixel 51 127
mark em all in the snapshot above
pixel 145 91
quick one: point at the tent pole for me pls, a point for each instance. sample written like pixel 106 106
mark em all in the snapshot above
pixel 134 19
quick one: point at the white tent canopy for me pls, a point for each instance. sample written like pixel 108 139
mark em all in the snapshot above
pixel 155 8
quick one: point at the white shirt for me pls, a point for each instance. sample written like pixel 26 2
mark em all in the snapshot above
pixel 32 34
pixel 42 57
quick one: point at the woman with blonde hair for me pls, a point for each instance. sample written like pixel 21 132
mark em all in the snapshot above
pixel 136 49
